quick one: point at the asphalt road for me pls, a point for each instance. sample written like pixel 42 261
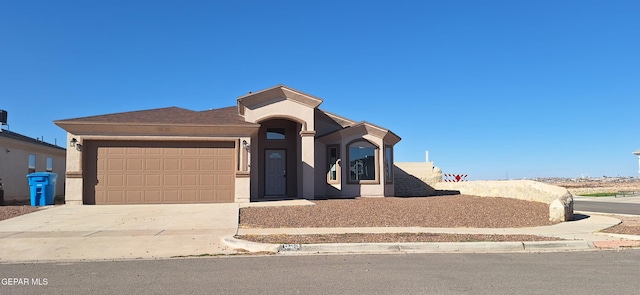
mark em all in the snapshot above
pixel 593 272
pixel 607 207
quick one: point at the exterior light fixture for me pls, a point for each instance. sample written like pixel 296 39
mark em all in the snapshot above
pixel 79 147
pixel 246 145
pixel 73 142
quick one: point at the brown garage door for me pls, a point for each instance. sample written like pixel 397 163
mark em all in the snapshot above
pixel 164 173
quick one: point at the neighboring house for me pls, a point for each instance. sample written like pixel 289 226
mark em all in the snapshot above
pixel 274 144
pixel 21 155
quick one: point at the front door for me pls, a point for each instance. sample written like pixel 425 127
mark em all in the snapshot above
pixel 275 173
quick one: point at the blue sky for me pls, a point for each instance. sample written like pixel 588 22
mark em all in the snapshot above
pixel 491 88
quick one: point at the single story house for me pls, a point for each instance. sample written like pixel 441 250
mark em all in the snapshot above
pixel 274 144
pixel 21 155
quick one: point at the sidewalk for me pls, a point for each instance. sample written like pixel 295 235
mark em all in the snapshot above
pixel 581 234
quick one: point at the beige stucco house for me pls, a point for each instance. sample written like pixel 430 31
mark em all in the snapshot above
pixel 21 155
pixel 274 144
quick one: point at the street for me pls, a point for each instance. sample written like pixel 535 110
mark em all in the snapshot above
pixel 625 205
pixel 592 272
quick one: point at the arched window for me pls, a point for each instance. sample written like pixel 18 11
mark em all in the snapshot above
pixel 363 162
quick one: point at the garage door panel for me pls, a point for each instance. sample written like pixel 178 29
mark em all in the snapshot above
pixel 206 164
pixel 190 196
pixel 171 180
pixel 135 164
pixel 151 180
pixel 189 180
pixel 153 164
pixel 134 151
pixel 133 197
pixel 152 196
pixel 115 180
pixel 170 151
pixel 224 164
pixel 149 173
pixel 134 180
pixel 190 164
pixel 224 180
pixel 115 196
pixel 189 151
pixel 115 164
pixel 207 180
pixel 171 196
pixel 224 194
pixel 171 165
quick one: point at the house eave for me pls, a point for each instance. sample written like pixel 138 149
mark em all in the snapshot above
pixel 276 93
pixel 156 129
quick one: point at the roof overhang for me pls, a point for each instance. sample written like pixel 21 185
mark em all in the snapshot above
pixel 137 129
pixel 360 129
pixel 275 94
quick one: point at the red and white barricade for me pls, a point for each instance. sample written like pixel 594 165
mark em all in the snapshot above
pixel 448 177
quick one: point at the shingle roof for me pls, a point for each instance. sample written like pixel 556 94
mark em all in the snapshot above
pixel 20 137
pixel 170 115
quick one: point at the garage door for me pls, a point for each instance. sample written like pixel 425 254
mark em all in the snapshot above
pixel 164 173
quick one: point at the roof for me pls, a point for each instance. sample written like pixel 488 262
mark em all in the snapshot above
pixel 168 116
pixel 16 136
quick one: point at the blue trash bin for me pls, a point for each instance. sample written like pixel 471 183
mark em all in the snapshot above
pixel 43 188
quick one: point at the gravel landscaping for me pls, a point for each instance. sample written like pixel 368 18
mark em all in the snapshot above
pixel 630 225
pixel 12 209
pixel 438 211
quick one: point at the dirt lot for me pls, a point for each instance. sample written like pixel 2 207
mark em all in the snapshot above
pixel 591 186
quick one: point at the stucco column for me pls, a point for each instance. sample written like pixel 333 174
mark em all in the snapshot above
pixel 308 164
pixel 73 177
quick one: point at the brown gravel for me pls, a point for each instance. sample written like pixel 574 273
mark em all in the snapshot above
pixel 389 238
pixel 12 209
pixel 630 226
pixel 439 211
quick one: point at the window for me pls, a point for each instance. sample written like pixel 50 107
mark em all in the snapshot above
pixel 388 164
pixel 32 163
pixel 333 164
pixel 275 134
pixel 49 165
pixel 362 162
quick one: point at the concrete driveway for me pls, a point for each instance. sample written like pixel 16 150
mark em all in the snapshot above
pixel 72 232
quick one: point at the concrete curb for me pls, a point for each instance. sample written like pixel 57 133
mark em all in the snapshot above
pixel 250 246
pixel 622 236
pixel 372 248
